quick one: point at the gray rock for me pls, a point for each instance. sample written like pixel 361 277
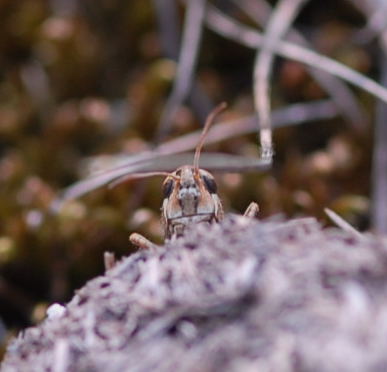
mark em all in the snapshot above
pixel 243 295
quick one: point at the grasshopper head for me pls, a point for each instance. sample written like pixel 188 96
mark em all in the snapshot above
pixel 189 198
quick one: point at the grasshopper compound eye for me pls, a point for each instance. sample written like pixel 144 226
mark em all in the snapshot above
pixel 209 181
pixel 168 187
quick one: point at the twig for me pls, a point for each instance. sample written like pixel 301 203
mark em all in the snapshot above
pixel 279 22
pixel 291 115
pixel 294 114
pixel 210 161
pixel 232 29
pixel 187 62
pixel 379 162
pixel 340 222
pixel 165 155
pixel 167 17
pixel 260 10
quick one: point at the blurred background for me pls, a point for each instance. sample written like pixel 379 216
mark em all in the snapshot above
pixel 80 79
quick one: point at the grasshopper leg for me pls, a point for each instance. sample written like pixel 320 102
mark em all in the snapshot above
pixel 141 241
pixel 252 210
pixel 109 260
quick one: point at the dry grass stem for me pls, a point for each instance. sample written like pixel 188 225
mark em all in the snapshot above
pixel 167 15
pixel 168 162
pixel 249 37
pixel 186 66
pixel 164 157
pixel 375 27
pixel 350 107
pixel 278 24
pixel 379 161
pixel 340 222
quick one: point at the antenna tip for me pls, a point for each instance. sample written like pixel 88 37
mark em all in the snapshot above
pixel 216 111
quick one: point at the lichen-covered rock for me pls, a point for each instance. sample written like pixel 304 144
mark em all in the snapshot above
pixel 239 296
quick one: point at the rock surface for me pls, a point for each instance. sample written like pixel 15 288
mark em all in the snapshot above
pixel 240 296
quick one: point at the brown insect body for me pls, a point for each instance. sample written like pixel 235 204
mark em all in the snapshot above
pixel 190 198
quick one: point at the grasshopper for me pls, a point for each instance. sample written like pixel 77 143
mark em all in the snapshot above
pixel 190 196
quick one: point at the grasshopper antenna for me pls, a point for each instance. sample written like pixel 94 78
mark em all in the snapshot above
pixel 210 119
pixel 135 176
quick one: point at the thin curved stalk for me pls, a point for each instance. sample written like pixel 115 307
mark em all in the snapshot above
pixel 169 31
pixel 259 11
pixel 278 24
pixel 186 66
pixel 164 156
pixel 249 37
